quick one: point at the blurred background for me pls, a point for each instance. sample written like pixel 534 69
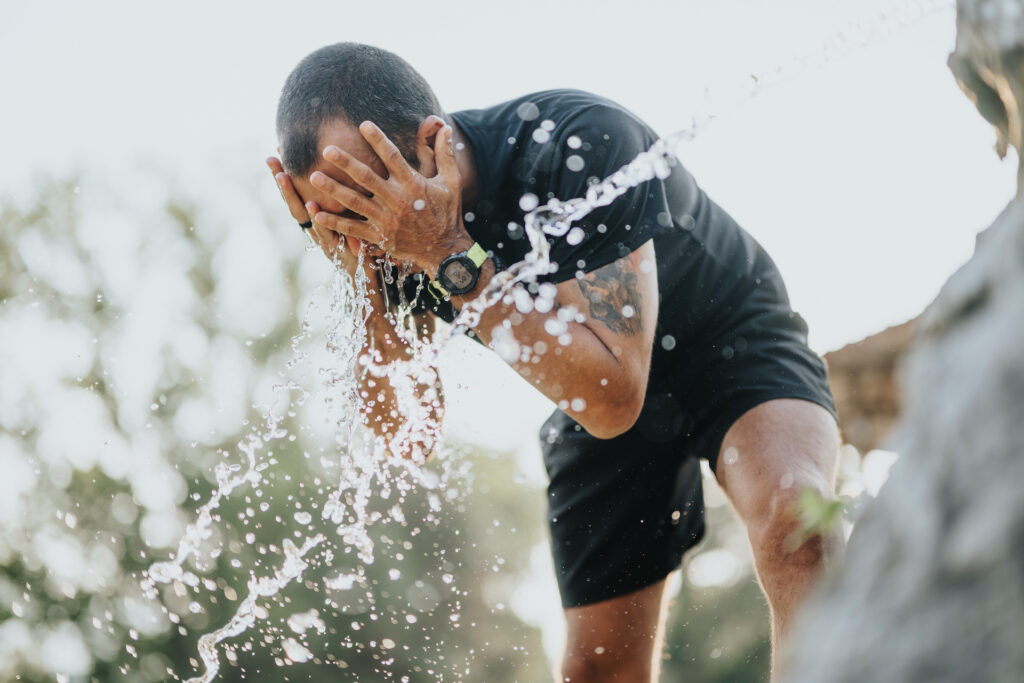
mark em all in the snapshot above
pixel 151 284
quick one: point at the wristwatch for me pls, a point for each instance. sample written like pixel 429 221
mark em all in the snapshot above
pixel 459 273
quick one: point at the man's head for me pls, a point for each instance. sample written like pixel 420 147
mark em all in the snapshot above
pixel 350 83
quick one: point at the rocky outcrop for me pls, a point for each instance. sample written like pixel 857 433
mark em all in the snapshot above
pixel 932 588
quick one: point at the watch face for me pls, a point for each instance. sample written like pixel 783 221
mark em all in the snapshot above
pixel 459 275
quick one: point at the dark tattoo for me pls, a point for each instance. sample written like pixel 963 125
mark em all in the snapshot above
pixel 614 295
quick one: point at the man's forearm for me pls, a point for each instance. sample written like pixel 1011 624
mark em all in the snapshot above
pixel 380 405
pixel 565 359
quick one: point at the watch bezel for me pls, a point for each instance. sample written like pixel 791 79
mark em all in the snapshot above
pixel 467 263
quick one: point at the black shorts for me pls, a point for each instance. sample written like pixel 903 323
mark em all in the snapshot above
pixel 623 511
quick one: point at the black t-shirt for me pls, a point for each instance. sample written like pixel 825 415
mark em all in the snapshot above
pixel 558 142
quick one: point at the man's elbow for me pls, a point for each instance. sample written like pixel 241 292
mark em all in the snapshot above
pixel 614 419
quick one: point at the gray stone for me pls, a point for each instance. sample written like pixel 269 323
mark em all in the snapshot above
pixel 932 586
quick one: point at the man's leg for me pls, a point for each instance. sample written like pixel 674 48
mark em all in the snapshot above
pixel 616 640
pixel 767 457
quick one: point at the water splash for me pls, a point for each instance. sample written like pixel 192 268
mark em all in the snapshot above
pixel 245 616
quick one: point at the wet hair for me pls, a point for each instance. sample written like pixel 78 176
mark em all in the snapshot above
pixel 356 83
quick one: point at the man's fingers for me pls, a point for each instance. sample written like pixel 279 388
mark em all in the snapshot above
pixel 444 152
pixel 364 176
pixel 347 226
pixel 287 189
pixel 331 242
pixel 386 150
pixel 346 196
pixel 291 197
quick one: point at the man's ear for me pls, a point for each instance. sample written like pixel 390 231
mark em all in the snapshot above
pixel 426 136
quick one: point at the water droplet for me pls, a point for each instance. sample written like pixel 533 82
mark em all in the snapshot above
pixel 574 142
pixel 303 517
pixel 527 111
pixel 628 311
pixel 295 651
pixel 540 135
pixel 419 204
pixel 598 650
pixel 668 342
pixel 731 455
pixel 575 163
pixel 578 405
pixel 575 236
pixel 528 202
pixel 394 574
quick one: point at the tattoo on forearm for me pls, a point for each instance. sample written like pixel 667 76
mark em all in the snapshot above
pixel 613 292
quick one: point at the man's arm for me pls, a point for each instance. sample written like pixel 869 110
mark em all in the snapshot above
pixel 598 372
pixel 378 406
pixel 408 430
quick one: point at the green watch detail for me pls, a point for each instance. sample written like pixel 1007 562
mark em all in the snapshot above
pixel 460 272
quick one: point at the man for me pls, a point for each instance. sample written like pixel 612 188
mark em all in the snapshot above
pixel 670 337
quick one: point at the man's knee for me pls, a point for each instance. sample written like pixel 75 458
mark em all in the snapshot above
pixel 782 540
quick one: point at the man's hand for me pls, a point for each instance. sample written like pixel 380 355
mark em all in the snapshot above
pixel 337 247
pixel 416 219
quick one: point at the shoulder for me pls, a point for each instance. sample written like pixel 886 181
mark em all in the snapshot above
pixel 566 109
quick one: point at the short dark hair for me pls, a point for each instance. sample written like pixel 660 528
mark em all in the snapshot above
pixel 356 83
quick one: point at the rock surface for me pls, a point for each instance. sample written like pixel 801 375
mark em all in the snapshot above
pixel 932 588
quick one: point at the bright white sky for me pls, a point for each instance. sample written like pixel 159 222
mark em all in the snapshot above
pixel 866 174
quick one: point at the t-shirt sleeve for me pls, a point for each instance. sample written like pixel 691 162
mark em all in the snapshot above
pixel 590 147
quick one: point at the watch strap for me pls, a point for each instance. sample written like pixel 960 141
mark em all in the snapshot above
pixel 477 254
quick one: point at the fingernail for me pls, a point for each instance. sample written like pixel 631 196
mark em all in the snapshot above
pixel 332 153
pixel 318 179
pixel 280 181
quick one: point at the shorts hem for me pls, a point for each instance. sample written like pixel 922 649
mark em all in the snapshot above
pixel 712 443
pixel 649 579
